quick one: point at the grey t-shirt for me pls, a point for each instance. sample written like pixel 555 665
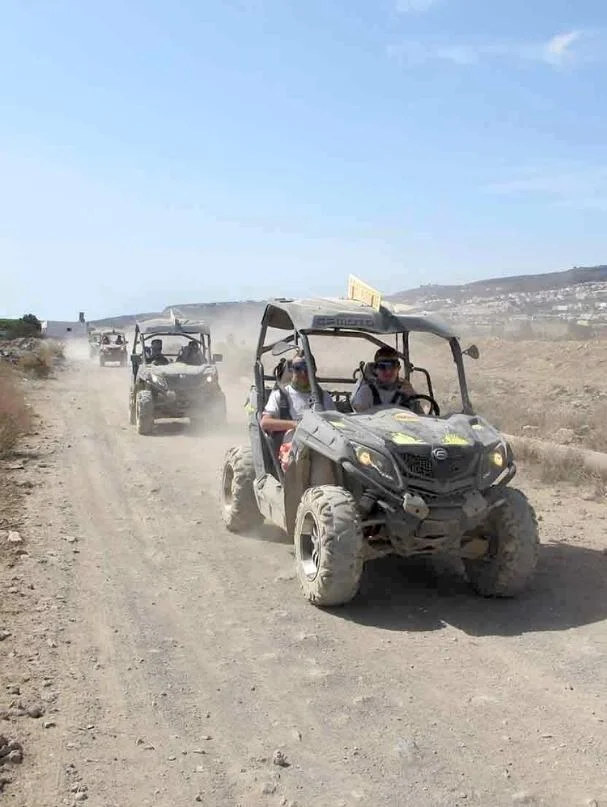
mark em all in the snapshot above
pixel 298 402
pixel 362 397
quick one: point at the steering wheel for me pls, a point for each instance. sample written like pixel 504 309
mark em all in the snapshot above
pixel 434 407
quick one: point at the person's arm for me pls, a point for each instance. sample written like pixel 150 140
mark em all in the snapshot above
pixel 270 419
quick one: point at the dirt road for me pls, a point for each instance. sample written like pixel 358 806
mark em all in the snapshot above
pixel 173 659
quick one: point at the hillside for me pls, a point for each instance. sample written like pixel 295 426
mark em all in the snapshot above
pixel 550 304
pixel 516 284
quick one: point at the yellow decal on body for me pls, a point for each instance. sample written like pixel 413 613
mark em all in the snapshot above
pixel 339 424
pixel 455 440
pixel 405 417
pixel 404 439
pixel 477 427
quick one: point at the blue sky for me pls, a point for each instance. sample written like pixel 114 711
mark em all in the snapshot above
pixel 155 153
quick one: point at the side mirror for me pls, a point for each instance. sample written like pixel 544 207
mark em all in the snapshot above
pixel 472 351
pixel 217 357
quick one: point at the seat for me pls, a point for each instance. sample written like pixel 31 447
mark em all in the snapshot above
pixel 341 399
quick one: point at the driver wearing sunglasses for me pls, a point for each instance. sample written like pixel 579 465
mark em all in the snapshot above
pixel 386 388
pixel 286 405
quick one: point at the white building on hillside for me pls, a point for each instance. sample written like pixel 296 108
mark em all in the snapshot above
pixel 65 330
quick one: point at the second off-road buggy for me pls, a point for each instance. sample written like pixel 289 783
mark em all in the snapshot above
pixel 386 481
pixel 112 348
pixel 181 381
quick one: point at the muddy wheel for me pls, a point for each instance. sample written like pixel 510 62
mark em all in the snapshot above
pixel 328 545
pixel 513 551
pixel 144 412
pixel 238 504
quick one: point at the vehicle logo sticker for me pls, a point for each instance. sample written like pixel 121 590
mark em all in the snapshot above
pixel 440 454
pixel 478 427
pixel 455 440
pixel 404 439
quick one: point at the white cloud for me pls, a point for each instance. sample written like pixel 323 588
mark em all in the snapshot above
pixel 414 6
pixel 556 51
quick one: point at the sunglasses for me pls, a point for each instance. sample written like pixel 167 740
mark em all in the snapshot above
pixel 388 365
pixel 300 367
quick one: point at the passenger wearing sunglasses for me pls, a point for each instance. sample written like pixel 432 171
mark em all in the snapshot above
pixel 287 404
pixel 386 387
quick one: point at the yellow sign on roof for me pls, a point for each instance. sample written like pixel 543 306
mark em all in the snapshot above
pixel 363 293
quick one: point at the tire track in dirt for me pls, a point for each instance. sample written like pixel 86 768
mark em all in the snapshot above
pixel 417 693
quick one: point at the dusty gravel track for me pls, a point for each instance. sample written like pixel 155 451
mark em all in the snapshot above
pixel 186 656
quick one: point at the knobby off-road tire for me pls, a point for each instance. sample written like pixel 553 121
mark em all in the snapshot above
pixel 238 504
pixel 144 411
pixel 329 545
pixel 513 549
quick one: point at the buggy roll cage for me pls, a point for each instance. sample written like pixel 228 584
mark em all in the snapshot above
pixel 193 332
pixel 301 337
pixel 341 318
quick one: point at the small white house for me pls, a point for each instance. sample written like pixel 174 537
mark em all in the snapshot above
pixel 63 330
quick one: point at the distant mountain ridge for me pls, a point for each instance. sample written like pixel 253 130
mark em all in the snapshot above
pixel 515 284
pixel 490 287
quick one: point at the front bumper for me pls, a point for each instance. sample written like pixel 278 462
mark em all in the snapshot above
pixel 415 521
pixel 180 404
pixel 113 355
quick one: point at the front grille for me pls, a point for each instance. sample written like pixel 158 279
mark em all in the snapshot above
pixel 184 383
pixel 419 466
pixel 460 462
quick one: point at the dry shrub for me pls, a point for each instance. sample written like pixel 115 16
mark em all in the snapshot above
pixel 40 362
pixel 15 417
pixel 57 349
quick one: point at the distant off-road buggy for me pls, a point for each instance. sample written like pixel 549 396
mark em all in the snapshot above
pixel 112 348
pixel 174 375
pixel 386 481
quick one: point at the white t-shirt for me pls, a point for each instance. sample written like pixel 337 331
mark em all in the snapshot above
pixel 298 402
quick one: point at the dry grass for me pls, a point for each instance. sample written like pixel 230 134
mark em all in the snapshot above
pixel 15 416
pixel 40 362
pixel 512 409
pixel 566 465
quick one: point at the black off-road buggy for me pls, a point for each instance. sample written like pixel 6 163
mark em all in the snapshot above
pixel 184 385
pixel 112 348
pixel 390 480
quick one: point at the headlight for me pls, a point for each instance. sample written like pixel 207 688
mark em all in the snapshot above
pixel 159 380
pixel 209 378
pixel 369 458
pixel 495 462
pixel 496 458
